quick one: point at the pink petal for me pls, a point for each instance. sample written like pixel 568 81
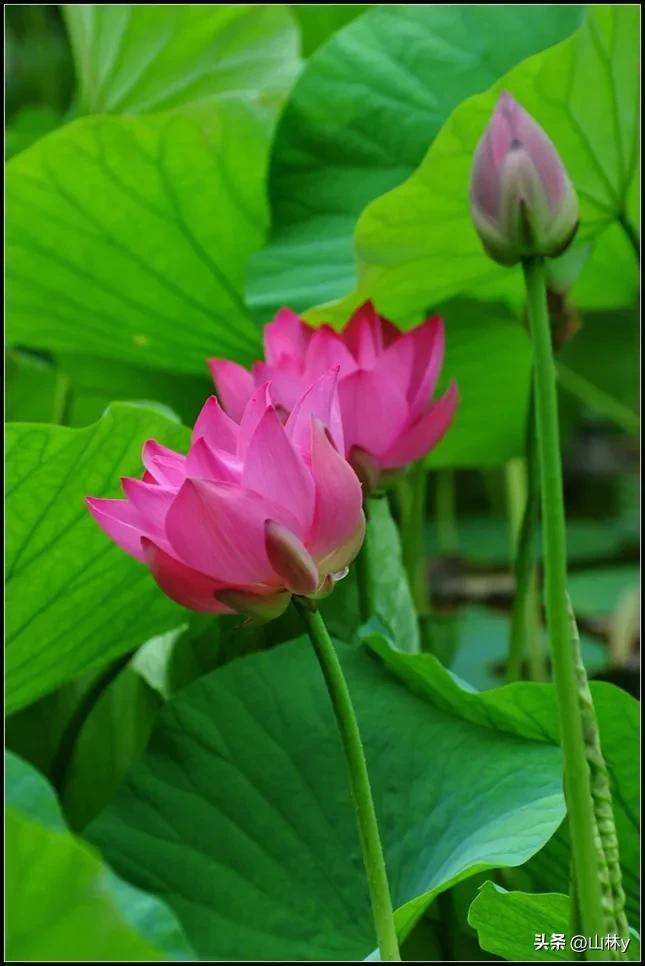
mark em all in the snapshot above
pixel 218 429
pixel 181 583
pixel 415 359
pixel 205 463
pixel 320 400
pixel 273 468
pixel 374 410
pixel 286 381
pixel 121 521
pixel 234 385
pixel 286 335
pixel 254 410
pixel 151 502
pixel 326 349
pixel 163 464
pixel 218 529
pixel 338 524
pixel 363 335
pixel 419 438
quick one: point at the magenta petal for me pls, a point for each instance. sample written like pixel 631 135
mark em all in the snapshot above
pixel 415 360
pixel 163 464
pixel 419 438
pixel 273 468
pixel 218 429
pixel 286 381
pixel 121 521
pixel 254 410
pixel 363 335
pixel 326 349
pixel 374 410
pixel 151 502
pixel 338 523
pixel 181 583
pixel 234 385
pixel 218 529
pixel 205 463
pixel 287 335
pixel 319 401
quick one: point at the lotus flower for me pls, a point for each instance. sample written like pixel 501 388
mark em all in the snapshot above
pixel 386 384
pixel 254 513
pixel 522 201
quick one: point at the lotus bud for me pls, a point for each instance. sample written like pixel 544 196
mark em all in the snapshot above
pixel 290 559
pixel 522 201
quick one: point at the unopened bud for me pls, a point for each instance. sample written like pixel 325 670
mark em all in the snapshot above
pixel 522 201
pixel 290 559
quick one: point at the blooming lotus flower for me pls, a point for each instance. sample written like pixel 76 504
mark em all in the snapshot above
pixel 386 384
pixel 252 514
pixel 522 201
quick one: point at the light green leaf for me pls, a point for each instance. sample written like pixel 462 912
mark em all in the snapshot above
pixel 128 238
pixel 135 58
pixel 240 815
pixel 75 601
pixel 360 119
pixel 514 925
pixel 509 922
pixel 417 244
pixel 393 600
pixel 530 710
pixel 62 902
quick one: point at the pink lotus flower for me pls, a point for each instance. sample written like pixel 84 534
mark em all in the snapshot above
pixel 254 513
pixel 386 384
pixel 522 201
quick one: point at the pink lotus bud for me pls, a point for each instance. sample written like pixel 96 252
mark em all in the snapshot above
pixel 386 382
pixel 522 201
pixel 255 511
pixel 290 559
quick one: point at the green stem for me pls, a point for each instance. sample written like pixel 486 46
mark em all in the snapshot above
pixel 577 782
pixel 379 889
pixel 364 576
pixel 524 635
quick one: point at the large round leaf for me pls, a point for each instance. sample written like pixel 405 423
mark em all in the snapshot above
pixel 417 244
pixel 132 58
pixel 128 237
pixel 360 119
pixel 240 815
pixel 74 600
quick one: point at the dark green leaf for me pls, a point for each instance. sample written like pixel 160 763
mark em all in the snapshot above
pixel 239 814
